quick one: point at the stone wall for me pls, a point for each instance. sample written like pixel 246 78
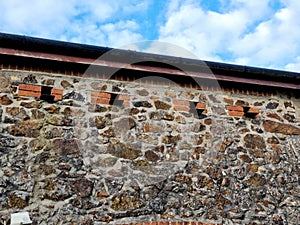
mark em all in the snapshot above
pixel 86 151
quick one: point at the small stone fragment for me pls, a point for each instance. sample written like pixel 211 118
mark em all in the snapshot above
pixel 245 158
pixel 275 116
pixel 110 132
pixel 49 82
pixel 289 117
pixel 126 201
pixel 275 127
pixel 37 114
pixel 256 180
pixel 52 109
pixel 168 116
pixel 65 147
pixel 171 139
pixel 98 121
pixel 142 104
pixel 66 84
pixel 124 124
pixel 180 119
pixel 37 144
pixel 60 120
pixel 254 141
pixel 273 140
pixel 272 157
pixel 170 93
pixel 208 121
pixel 121 150
pixel 107 162
pixel 30 105
pixel 73 112
pixel 181 178
pixel 151 156
pixel 82 187
pixel 142 92
pixel 4 100
pixel 229 101
pixel 96 108
pixel 5 85
pixel 16 200
pixel 257 153
pixel 288 105
pixel 74 95
pixel 30 79
pixel 162 105
pixel 272 105
pixel 17 112
pixel 150 127
pixel 252 167
pixel 241 103
pixel 28 128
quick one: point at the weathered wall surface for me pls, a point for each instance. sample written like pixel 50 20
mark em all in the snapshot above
pixel 101 151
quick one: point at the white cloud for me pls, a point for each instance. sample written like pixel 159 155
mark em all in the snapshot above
pixel 121 33
pixel 295 66
pixel 205 32
pixel 244 32
pixel 96 22
pixel 35 17
pixel 274 42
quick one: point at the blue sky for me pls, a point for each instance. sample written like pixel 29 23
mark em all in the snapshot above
pixel 262 33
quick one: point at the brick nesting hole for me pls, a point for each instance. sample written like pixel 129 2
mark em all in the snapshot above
pixel 42 92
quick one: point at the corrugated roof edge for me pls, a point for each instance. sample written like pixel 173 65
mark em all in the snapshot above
pixel 34 44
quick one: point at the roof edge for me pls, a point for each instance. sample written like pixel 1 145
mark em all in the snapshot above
pixel 41 45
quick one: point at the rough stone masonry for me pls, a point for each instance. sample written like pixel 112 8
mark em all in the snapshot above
pixel 86 151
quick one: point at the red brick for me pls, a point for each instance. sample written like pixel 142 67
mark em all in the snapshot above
pixel 29 93
pixel 235 108
pixel 253 110
pixel 100 100
pixel 29 87
pixel 103 101
pixel 100 94
pixel 124 97
pixel 126 103
pixel 163 223
pixel 56 91
pixel 57 97
pixel 181 103
pixel 200 105
pixel 181 108
pixel 235 113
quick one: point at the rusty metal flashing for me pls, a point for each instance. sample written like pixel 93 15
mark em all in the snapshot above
pixel 72 55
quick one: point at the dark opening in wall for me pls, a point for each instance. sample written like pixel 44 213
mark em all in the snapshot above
pixel 250 112
pixel 198 112
pixel 115 101
pixel 46 94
